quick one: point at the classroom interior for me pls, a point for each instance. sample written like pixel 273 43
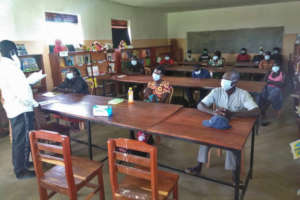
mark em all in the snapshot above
pixel 152 25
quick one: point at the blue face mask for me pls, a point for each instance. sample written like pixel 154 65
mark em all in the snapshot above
pixel 267 57
pixel 156 77
pixel 70 76
pixel 226 84
pixel 275 69
pixel 215 58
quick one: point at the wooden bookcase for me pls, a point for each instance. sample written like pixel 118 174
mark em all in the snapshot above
pixel 41 87
pixel 88 63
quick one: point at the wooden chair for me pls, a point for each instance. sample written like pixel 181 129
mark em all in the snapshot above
pixel 142 178
pixel 69 174
pixel 169 100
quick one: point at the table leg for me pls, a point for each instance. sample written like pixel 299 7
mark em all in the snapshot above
pixel 132 135
pixel 237 175
pixel 90 140
pixel 252 151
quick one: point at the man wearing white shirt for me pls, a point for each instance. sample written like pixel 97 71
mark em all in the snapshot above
pixel 230 101
pixel 18 103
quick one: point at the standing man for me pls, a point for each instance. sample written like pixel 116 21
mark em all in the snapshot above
pixel 18 103
pixel 230 101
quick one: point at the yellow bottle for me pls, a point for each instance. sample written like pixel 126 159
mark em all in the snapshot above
pixel 130 95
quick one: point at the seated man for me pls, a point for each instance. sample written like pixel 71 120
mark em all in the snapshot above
pixel 230 101
pixel 157 90
pixel 135 66
pixel 73 83
pixel 198 73
pixel 204 57
pixel 217 60
pixel 167 60
pixel 243 56
pixel 267 63
pixel 259 57
pixel 272 93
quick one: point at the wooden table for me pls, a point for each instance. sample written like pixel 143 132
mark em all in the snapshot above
pixel 186 82
pixel 163 119
pixel 246 70
pixel 191 129
pixel 246 64
pixel 139 115
pixel 192 63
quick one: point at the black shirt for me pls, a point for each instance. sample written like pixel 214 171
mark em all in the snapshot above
pixel 76 85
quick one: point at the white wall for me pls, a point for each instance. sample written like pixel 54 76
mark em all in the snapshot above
pixel 280 14
pixel 95 15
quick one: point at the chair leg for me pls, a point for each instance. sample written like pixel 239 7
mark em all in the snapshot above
pixel 175 192
pixel 101 185
pixel 208 158
pixel 43 193
pixel 242 163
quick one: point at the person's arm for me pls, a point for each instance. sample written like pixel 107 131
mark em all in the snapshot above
pixel 204 108
pixel 63 87
pixel 147 91
pixel 277 83
pixel 260 65
pixel 248 113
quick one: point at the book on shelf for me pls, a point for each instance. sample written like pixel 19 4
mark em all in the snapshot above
pixel 79 60
pixel 29 65
pixel 96 70
pixel 87 59
pixel 21 50
pixel 69 61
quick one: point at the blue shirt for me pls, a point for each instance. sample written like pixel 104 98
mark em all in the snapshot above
pixel 203 74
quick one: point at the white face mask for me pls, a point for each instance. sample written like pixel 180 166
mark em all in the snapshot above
pixel 243 52
pixel 198 72
pixel 261 53
pixel 155 77
pixel 17 61
pixel 226 84
pixel 167 58
pixel 134 62
pixel 215 58
pixel 70 75
pixel 275 69
pixel 267 57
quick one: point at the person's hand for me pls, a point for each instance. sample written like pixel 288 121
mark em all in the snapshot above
pixel 220 111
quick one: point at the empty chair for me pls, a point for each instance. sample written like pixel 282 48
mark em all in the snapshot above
pixel 68 174
pixel 142 179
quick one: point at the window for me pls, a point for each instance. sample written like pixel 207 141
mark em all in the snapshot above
pixel 65 27
pixel 120 31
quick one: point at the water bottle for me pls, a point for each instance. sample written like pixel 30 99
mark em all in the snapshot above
pixel 130 95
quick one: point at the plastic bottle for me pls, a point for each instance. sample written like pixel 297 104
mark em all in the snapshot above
pixel 130 95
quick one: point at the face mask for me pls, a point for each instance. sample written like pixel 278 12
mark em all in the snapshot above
pixel 17 61
pixel 267 57
pixel 167 58
pixel 198 72
pixel 70 76
pixel 275 69
pixel 155 77
pixel 243 52
pixel 134 62
pixel 226 84
pixel 275 52
pixel 215 58
pixel 261 53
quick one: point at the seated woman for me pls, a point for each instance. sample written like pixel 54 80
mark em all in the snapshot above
pixel 243 56
pixel 217 60
pixel 272 93
pixel 73 83
pixel 167 60
pixel 198 73
pixel 157 90
pixel 266 63
pixel 204 57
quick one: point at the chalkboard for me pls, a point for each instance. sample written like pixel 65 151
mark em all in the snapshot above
pixel 231 41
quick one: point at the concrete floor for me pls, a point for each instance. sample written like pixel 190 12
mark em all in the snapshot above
pixel 276 174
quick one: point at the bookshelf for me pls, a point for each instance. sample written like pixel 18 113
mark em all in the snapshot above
pixel 33 63
pixel 90 64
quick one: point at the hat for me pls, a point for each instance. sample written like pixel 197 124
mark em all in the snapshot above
pixel 218 122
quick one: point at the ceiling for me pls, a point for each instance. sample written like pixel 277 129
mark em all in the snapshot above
pixel 184 5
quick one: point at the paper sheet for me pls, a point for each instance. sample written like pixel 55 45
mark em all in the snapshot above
pixel 35 77
pixel 295 149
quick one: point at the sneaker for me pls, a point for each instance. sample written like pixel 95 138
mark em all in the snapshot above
pixel 25 174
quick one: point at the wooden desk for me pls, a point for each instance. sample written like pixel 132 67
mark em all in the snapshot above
pixel 186 82
pixel 246 64
pixel 192 63
pixel 246 70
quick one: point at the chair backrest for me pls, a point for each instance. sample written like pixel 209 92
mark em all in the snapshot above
pixel 91 86
pixel 169 100
pixel 52 148
pixel 140 167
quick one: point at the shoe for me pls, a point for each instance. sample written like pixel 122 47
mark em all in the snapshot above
pixel 194 170
pixel 25 174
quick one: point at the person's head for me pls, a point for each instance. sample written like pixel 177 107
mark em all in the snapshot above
pixel 167 57
pixel 230 80
pixel 205 51
pixel 158 73
pixel 72 73
pixel 276 67
pixel 58 42
pixel 267 55
pixel 276 50
pixel 217 55
pixel 243 51
pixel 8 49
